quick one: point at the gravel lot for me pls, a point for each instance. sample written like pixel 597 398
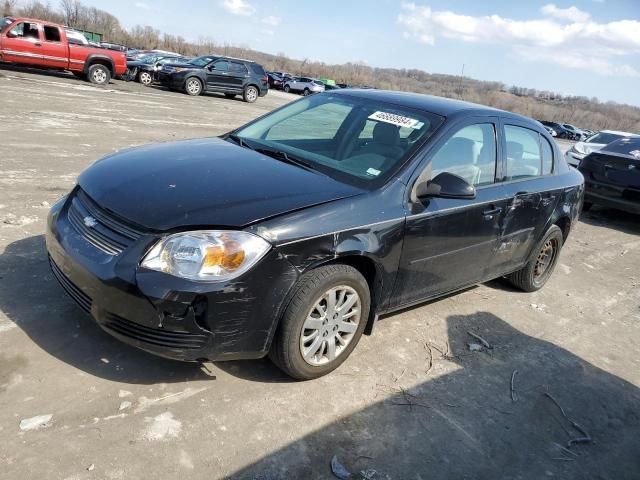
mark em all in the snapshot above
pixel 411 403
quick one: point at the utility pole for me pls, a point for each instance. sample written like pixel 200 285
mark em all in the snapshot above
pixel 460 86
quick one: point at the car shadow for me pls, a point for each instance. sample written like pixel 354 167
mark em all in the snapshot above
pixel 32 298
pixel 464 423
pixel 610 218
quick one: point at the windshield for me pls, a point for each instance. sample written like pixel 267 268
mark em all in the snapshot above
pixel 626 146
pixel 202 61
pixel 5 22
pixel 354 139
pixel 603 138
pixel 149 59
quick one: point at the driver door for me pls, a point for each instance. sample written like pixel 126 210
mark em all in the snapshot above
pixel 217 74
pixel 450 243
pixel 22 43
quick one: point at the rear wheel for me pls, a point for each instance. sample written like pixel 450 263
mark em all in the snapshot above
pixel 535 274
pixel 287 88
pixel 306 92
pixel 250 94
pixel 145 78
pixel 99 74
pixel 193 86
pixel 323 322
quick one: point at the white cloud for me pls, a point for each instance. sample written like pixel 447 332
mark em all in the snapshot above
pixel 573 14
pixel 238 7
pixel 142 5
pixel 272 20
pixel 568 39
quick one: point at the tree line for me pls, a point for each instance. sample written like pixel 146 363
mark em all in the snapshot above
pixel 581 111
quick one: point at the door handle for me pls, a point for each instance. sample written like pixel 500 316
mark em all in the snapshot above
pixel 488 214
pixel 38 44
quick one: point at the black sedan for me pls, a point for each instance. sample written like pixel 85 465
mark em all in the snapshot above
pixel 612 176
pixel 289 236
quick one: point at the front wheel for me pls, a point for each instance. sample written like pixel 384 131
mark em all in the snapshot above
pixel 145 78
pixel 250 94
pixel 323 322
pixel 306 92
pixel 193 87
pixel 99 74
pixel 287 88
pixel 535 274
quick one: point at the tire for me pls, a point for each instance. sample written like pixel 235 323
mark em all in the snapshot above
pixel 145 78
pixel 230 95
pixel 306 92
pixel 99 74
pixel 193 86
pixel 250 94
pixel 305 306
pixel 287 88
pixel 530 278
pixel 586 206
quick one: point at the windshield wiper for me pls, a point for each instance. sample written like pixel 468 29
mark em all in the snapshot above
pixel 239 141
pixel 285 157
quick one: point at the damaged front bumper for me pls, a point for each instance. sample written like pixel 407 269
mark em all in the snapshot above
pixel 160 313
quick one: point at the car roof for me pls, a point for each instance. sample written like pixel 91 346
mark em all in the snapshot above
pixel 617 132
pixel 429 103
pixel 37 20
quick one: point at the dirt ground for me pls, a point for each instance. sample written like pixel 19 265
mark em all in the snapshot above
pixel 412 402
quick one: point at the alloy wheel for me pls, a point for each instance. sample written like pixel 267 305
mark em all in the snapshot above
pixel 252 94
pixel 145 78
pixel 193 86
pixel 99 75
pixel 330 325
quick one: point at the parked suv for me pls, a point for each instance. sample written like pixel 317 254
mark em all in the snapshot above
pixel 212 73
pixel 304 85
pixel 561 132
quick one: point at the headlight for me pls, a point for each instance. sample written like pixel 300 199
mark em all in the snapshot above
pixel 580 148
pixel 207 255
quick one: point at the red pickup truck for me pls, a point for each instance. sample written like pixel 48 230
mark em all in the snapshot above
pixel 44 44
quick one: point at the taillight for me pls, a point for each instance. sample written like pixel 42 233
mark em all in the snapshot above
pixel 265 79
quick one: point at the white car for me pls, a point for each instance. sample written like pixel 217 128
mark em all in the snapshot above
pixel 595 142
pixel 304 85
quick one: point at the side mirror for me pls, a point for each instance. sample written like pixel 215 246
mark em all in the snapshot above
pixel 446 185
pixel 11 34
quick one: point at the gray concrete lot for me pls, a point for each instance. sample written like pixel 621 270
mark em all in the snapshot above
pixel 411 403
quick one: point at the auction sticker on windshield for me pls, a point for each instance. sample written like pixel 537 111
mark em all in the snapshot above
pixel 397 120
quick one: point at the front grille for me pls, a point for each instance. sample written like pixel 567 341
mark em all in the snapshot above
pixel 153 336
pixel 81 298
pixel 99 227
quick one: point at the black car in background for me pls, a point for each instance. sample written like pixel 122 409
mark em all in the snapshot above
pixel 612 176
pixel 216 74
pixel 289 236
pixel 559 129
pixel 275 81
pixel 146 72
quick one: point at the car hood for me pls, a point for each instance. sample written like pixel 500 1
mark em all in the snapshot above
pixel 204 182
pixel 587 148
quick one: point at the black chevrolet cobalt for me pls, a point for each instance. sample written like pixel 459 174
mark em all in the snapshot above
pixel 289 236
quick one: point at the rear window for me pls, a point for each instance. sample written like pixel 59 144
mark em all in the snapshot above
pixel 51 34
pixel 257 69
pixel 603 138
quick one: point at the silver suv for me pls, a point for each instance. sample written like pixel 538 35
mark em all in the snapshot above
pixel 304 85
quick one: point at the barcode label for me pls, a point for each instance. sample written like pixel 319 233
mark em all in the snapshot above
pixel 394 119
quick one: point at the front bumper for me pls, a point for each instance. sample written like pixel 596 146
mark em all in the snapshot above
pixel 170 80
pixel 162 314
pixel 611 196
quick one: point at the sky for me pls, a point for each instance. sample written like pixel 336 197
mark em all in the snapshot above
pixel 580 47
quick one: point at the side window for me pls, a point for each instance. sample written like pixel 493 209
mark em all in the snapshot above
pixel 221 66
pixel 547 156
pixel 26 30
pixel 51 34
pixel 470 153
pixel 238 68
pixel 524 158
pixel 326 120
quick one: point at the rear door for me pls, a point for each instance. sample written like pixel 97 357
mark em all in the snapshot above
pixel 529 182
pixel 238 74
pixel 54 51
pixel 450 243
pixel 22 43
